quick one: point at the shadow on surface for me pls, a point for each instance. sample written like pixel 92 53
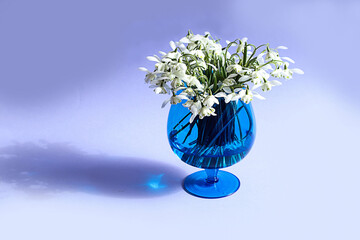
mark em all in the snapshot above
pixel 52 168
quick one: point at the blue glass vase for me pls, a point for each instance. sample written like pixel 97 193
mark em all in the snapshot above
pixel 212 143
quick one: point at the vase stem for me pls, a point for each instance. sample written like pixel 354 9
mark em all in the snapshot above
pixel 211 175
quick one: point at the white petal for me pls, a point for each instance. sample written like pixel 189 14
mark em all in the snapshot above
pixel 143 69
pixel 167 87
pixel 152 58
pixel 275 83
pixel 220 94
pixel 162 53
pixel 157 90
pixel 242 93
pixel 232 75
pixel 227 90
pixel 244 78
pixel 184 40
pixel 164 103
pixel 182 96
pixel 238 90
pixel 288 59
pixel 237 97
pixel 193 116
pixel 281 47
pixel 179 88
pixel 297 70
pixel 227 42
pixel 258 96
pixel 267 67
pixel 229 97
pixel 172 45
pixel 197 37
pixel 256 86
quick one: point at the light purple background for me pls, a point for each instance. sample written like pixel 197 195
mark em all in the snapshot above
pixel 83 147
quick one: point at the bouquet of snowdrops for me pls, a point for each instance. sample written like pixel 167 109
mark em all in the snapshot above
pixel 200 71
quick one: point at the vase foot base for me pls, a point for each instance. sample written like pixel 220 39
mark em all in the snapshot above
pixel 197 185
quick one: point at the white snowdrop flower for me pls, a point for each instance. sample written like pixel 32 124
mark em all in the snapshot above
pixel 272 55
pixel 247 96
pixel 236 67
pixel 202 64
pixel 230 97
pixel 195 108
pixel 160 66
pixel 287 73
pixel 278 73
pixel 177 83
pixel 150 76
pixel 160 90
pixel 206 111
pixel 191 38
pixel 168 76
pixel 257 81
pixel 175 99
pixel 179 68
pixel 193 81
pixel 261 61
pixel 261 73
pixel 173 55
pixel 267 85
pixel 248 71
pixel 191 46
pixel 190 92
pixel 228 82
pixel 198 53
pixel 188 103
pixel 210 101
pixel 200 71
pixel 217 48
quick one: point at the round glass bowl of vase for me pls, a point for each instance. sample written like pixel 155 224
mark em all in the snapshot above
pixel 211 124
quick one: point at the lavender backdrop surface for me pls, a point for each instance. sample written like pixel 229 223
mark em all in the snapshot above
pixel 83 146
